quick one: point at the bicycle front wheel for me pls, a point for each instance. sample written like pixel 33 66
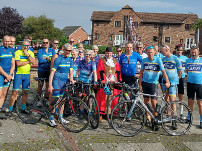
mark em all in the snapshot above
pixel 173 117
pixel 124 125
pixel 94 112
pixel 75 116
pixel 32 113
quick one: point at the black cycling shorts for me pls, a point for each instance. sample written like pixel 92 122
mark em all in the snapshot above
pixel 130 80
pixel 180 86
pixel 150 88
pixel 192 89
pixel 44 74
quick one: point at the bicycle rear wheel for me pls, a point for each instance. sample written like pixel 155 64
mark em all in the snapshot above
pixel 94 112
pixel 174 122
pixel 77 120
pixel 33 114
pixel 127 126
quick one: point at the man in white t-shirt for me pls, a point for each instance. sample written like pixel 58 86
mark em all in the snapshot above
pixel 139 50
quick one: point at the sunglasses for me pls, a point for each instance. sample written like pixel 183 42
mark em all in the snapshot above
pixel 25 45
pixel 71 41
pixel 45 42
pixel 67 50
pixel 87 54
pixel 80 51
pixel 139 47
pixel 56 43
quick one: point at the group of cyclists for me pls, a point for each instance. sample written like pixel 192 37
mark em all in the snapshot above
pixel 151 65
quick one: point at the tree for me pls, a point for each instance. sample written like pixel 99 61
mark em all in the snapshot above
pixel 10 22
pixel 41 27
pixel 197 24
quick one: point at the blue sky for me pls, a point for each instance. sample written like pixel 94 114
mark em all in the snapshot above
pixel 78 12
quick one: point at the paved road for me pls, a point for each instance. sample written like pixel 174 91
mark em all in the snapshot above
pixel 15 135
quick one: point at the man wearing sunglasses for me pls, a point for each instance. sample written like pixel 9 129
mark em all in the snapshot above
pixel 28 38
pixel 24 59
pixel 55 43
pixel 179 50
pixel 44 56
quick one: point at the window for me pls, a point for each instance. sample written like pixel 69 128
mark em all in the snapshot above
pixel 167 26
pixel 187 26
pixel 181 41
pixel 155 38
pixel 167 39
pixel 110 38
pixel 135 24
pixel 97 36
pixel 117 23
pixel 155 25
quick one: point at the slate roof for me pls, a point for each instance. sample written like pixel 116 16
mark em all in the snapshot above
pixel 68 30
pixel 145 17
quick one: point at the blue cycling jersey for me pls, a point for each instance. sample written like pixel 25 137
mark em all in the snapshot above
pixel 172 65
pixel 62 64
pixel 151 69
pixel 183 60
pixel 160 55
pixel 96 59
pixel 86 70
pixel 43 64
pixel 194 69
pixel 6 55
pixel 129 64
pixel 75 65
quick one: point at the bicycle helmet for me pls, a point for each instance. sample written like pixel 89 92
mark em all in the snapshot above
pixel 107 90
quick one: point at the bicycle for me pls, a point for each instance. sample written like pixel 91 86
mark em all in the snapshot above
pixel 129 120
pixel 91 103
pixel 75 124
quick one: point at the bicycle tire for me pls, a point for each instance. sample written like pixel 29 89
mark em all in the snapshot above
pixel 124 126
pixel 35 114
pixel 94 111
pixel 120 98
pixel 168 116
pixel 76 123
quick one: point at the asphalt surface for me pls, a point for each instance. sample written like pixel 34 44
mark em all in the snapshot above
pixel 16 135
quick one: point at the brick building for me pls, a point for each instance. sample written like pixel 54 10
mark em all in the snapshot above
pixel 76 32
pixel 113 28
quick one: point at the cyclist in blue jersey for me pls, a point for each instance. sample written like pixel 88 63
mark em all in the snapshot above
pixel 148 80
pixel 179 50
pixel 128 63
pixel 55 43
pixel 76 61
pixel 157 53
pixel 44 56
pixel 96 56
pixel 193 67
pixel 173 68
pixel 61 70
pixel 84 73
pixel 7 67
pixel 119 51
pixel 81 53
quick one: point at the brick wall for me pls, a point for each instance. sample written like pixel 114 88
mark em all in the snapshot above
pixel 80 33
pixel 146 31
